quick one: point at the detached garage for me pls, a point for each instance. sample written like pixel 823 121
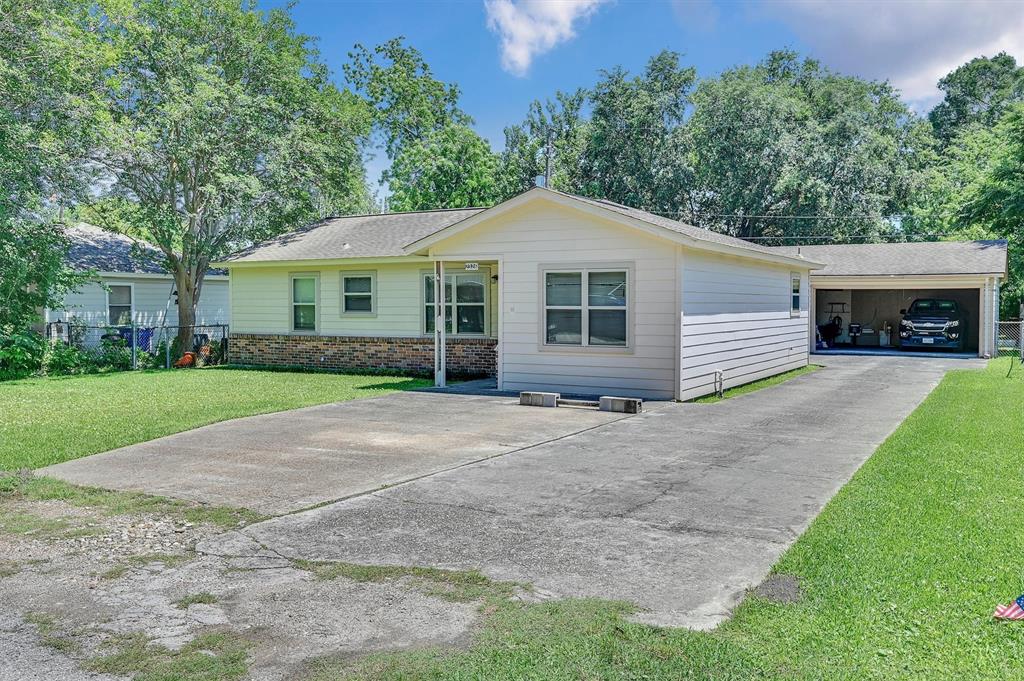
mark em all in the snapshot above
pixel 858 299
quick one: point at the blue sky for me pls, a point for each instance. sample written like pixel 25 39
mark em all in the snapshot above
pixel 505 53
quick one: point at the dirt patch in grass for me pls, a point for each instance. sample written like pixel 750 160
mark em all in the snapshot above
pixel 779 588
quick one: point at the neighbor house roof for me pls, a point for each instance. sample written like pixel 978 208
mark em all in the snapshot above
pixel 919 258
pixel 97 249
pixel 356 236
pixel 93 248
pixel 399 234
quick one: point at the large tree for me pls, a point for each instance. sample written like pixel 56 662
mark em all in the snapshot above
pixel 49 66
pixel 787 148
pixel 977 93
pixel 222 128
pixel 633 154
pixel 451 167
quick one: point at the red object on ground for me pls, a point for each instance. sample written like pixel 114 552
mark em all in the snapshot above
pixel 187 360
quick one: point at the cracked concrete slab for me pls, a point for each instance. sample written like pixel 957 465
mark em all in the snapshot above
pixel 283 462
pixel 679 509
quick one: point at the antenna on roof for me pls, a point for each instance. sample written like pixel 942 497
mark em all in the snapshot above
pixel 547 162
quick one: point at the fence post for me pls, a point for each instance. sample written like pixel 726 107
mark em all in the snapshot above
pixel 167 352
pixel 224 344
pixel 1020 340
pixel 135 346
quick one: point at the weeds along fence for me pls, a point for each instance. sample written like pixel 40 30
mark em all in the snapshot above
pixel 1010 339
pixel 135 346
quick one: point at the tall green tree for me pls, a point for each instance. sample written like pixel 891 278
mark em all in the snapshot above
pixel 996 201
pixel 634 155
pixel 223 128
pixel 554 138
pixel 977 93
pixel 415 112
pixel 789 138
pixel 49 66
pixel 452 167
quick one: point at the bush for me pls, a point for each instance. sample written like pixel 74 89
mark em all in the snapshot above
pixel 113 353
pixel 21 354
pixel 62 359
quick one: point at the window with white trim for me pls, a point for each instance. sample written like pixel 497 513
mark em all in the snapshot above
pixel 304 295
pixel 794 305
pixel 586 307
pixel 119 304
pixel 358 293
pixel 466 315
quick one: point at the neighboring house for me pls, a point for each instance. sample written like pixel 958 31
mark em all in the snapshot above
pixel 132 287
pixel 870 284
pixel 546 291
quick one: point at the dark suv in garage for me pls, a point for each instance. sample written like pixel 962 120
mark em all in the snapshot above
pixel 933 323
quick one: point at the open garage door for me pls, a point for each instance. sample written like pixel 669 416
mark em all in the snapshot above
pixel 867 320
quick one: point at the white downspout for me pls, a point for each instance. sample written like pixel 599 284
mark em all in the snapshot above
pixel 440 362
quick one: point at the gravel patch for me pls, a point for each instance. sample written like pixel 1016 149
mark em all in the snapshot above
pixel 102 577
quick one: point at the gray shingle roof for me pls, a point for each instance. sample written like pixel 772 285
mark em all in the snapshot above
pixel 357 236
pixel 930 257
pixel 385 235
pixel 97 249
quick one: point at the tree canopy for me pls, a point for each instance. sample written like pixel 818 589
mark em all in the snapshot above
pixel 222 127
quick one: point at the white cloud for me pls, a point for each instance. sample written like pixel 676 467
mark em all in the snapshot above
pixel 911 43
pixel 529 28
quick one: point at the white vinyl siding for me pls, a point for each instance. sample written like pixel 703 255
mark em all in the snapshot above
pixel 260 299
pixel 529 239
pixel 149 301
pixel 738 319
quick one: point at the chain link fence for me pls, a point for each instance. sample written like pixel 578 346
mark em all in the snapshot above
pixel 1010 339
pixel 142 347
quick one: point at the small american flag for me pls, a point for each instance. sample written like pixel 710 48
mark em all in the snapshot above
pixel 1013 611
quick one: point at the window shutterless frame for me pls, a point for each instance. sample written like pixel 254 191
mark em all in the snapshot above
pixel 119 304
pixel 586 306
pixel 467 302
pixel 795 284
pixel 359 294
pixel 303 302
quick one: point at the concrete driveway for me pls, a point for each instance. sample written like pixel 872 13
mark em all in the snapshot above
pixel 678 510
pixel 288 461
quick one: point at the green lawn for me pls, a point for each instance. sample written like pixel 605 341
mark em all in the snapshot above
pixel 900 574
pixel 49 420
pixel 757 385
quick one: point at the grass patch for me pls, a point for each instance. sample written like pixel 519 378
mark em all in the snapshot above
pixel 203 597
pixel 754 386
pixel 46 625
pixel 898 576
pixel 50 420
pixel 9 568
pixel 168 559
pixel 116 572
pixel 211 657
pixel 31 488
pixel 453 585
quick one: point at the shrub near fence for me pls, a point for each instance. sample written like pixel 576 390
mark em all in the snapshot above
pixel 70 348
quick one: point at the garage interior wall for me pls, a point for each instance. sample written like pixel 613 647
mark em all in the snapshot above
pixel 872 308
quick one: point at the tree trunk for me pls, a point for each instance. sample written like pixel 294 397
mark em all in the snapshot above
pixel 187 302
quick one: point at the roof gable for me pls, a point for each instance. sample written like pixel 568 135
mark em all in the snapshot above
pixel 666 228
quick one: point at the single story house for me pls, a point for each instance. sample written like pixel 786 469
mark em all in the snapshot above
pixel 130 287
pixel 870 285
pixel 545 291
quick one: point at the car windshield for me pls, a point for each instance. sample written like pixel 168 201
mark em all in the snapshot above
pixel 932 306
